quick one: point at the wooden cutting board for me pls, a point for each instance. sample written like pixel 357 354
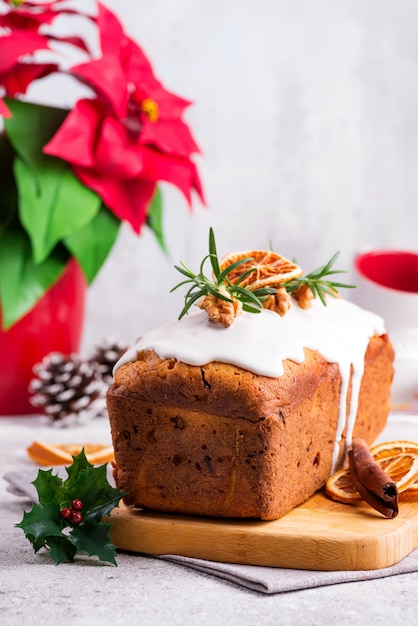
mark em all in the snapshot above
pixel 318 535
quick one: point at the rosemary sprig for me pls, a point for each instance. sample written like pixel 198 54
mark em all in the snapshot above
pixel 316 281
pixel 201 285
pixel 252 300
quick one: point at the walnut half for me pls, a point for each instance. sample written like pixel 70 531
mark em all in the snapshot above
pixel 279 302
pixel 220 311
pixel 304 296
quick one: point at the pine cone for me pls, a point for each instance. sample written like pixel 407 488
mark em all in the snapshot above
pixel 104 357
pixel 67 390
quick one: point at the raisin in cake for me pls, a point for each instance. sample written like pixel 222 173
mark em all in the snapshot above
pixel 249 420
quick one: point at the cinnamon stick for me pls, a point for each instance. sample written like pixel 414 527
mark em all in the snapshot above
pixel 371 481
pixel 370 474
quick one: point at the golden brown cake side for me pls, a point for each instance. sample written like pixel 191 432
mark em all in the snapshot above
pixel 221 441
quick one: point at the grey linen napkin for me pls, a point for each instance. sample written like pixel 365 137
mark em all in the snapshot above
pixel 267 580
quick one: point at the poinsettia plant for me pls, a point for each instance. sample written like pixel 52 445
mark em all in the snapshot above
pixel 70 176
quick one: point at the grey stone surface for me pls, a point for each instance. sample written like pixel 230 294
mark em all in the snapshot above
pixel 151 592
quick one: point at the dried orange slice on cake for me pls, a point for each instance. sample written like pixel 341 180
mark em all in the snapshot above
pixel 399 459
pixel 269 269
pixel 46 454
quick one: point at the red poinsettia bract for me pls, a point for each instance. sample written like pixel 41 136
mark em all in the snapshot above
pixel 4 109
pixel 131 135
pixel 22 37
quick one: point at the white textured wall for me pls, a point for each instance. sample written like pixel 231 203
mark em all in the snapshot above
pixel 306 112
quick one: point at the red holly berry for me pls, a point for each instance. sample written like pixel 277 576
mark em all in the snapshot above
pixel 77 505
pixel 76 517
pixel 66 513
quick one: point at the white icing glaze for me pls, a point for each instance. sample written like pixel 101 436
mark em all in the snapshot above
pixel 260 343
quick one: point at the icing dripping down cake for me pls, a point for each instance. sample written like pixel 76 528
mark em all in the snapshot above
pixel 248 420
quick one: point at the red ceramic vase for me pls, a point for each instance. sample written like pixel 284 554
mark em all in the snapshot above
pixel 55 324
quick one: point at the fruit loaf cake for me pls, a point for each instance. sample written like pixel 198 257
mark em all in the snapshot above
pixel 247 420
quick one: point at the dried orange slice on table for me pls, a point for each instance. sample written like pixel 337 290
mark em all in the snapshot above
pixel 269 269
pixel 393 448
pixel 340 487
pixel 399 459
pixel 384 454
pixel 47 454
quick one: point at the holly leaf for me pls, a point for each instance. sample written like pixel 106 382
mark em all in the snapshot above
pixel 88 248
pixel 38 543
pixel 95 492
pixel 47 485
pixel 62 549
pixel 42 521
pixel 22 282
pixel 80 464
pixel 90 484
pixel 94 539
pixel 69 516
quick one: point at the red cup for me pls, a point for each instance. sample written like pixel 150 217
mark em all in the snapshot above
pixel 393 269
pixel 387 284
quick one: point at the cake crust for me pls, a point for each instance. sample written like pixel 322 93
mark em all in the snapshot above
pixel 218 440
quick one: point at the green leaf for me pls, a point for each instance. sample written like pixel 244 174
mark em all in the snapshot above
pixel 79 464
pixel 91 244
pixel 62 549
pixel 251 300
pixel 189 301
pixel 183 269
pixel 20 130
pixel 246 296
pixel 22 282
pixel 213 255
pixel 155 218
pixel 8 194
pixel 95 540
pixel 250 309
pixel 202 285
pixel 45 527
pixel 232 267
pixel 53 204
pixel 37 543
pixel 316 282
pixel 47 485
pixel 43 520
pixel 90 485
